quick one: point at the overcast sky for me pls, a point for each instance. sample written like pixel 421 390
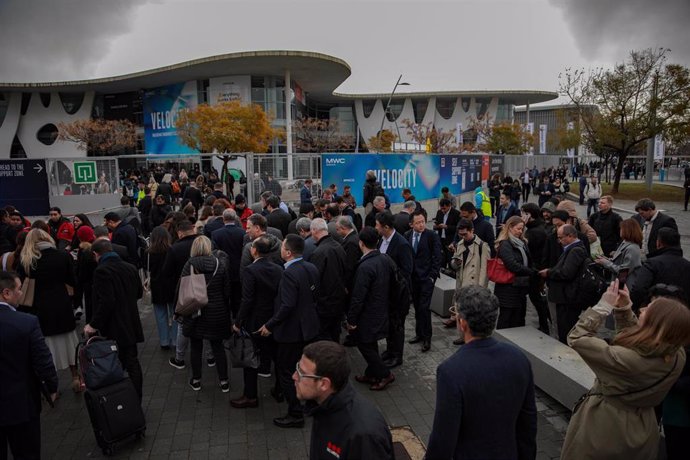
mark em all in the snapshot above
pixel 436 45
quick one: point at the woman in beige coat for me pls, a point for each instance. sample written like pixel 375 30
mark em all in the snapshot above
pixel 616 417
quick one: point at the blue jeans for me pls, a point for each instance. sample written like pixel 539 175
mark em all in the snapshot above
pixel 167 327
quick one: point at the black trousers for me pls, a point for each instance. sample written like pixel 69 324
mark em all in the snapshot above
pixel 265 347
pixel 567 316
pixel 421 299
pixel 395 342
pixel 235 297
pixel 196 353
pixel 130 362
pixel 592 204
pixel 541 305
pixel 330 327
pixel 287 356
pixel 375 367
pixel 510 317
pixel 24 440
pixel 526 188
pixel 446 253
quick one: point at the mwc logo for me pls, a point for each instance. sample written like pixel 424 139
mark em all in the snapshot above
pixel 335 161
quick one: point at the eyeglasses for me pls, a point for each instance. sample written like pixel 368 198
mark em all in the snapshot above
pixel 301 375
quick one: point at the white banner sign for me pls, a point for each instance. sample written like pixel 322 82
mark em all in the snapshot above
pixel 542 139
pixel 231 88
pixel 658 148
pixel 458 134
pixel 571 152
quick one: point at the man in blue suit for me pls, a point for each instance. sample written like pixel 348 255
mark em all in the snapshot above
pixel 294 324
pixel 426 246
pixel 305 192
pixel 26 366
pixel 485 404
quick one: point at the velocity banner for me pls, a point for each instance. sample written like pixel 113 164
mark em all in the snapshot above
pixel 161 106
pixel 395 172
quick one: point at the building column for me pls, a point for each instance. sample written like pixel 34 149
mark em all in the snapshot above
pixel 288 123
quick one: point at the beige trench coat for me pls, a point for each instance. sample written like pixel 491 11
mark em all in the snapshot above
pixel 617 420
pixel 474 272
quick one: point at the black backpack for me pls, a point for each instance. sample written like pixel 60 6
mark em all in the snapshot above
pixel 399 295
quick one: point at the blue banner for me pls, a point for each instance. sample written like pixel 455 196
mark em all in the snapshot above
pixel 395 172
pixel 161 106
pixel 461 173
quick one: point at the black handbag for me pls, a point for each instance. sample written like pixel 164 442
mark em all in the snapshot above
pixel 242 351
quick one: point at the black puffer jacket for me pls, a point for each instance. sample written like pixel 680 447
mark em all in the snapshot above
pixel 348 426
pixel 214 322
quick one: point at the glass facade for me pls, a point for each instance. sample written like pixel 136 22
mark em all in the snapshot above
pixel 445 107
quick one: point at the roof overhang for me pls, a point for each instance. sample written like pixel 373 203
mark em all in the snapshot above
pixel 515 97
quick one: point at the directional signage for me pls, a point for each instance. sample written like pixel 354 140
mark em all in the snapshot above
pixel 85 172
pixel 24 185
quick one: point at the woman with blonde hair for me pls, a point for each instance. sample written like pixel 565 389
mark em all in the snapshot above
pixel 53 274
pixel 511 248
pixel 213 324
pixel 616 419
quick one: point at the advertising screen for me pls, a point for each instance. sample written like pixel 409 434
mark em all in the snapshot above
pixel 161 106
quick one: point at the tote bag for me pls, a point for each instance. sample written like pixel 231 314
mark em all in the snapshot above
pixel 497 272
pixel 192 295
pixel 28 291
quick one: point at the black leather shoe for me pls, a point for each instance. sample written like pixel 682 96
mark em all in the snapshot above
pixel 392 362
pixel 289 421
pixel 244 403
pixel 415 339
pixel 426 345
pixel 383 383
pixel 277 395
pixel 365 379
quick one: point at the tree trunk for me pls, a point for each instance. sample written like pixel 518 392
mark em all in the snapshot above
pixel 619 171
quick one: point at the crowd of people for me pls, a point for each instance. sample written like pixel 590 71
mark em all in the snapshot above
pixel 300 283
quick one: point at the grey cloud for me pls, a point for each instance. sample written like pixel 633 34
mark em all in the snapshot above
pixel 62 39
pixel 610 29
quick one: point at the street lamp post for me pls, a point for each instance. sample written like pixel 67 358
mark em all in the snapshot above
pixel 390 98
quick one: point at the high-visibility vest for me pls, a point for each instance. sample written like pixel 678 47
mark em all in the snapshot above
pixel 486 203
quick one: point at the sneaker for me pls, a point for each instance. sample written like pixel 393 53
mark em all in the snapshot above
pixel 266 375
pixel 211 362
pixel 195 384
pixel 78 313
pixel 225 386
pixel 176 364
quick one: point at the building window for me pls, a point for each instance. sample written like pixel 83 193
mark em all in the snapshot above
pixel 45 99
pixel 445 107
pixel 420 108
pixel 47 134
pixel 71 102
pixel 482 106
pixel 368 106
pixel 394 110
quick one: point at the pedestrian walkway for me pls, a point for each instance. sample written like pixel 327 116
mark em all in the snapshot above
pixel 184 424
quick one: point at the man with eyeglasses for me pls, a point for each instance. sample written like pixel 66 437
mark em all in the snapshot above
pixel 346 425
pixel 485 405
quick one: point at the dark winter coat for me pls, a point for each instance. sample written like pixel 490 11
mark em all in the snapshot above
pixel 177 257
pixel 165 189
pixel 194 196
pixel 329 260
pixel 662 220
pixel 116 289
pixel 369 303
pixel 372 189
pixel 125 235
pixel 535 234
pixel 273 256
pixel 214 322
pixel 666 266
pixel 260 283
pixel 162 287
pixel 280 220
pixel 563 287
pixel 230 240
pixel 352 255
pixel 512 295
pixel 295 319
pixel 157 215
pixel 553 248
pixel 607 225
pixel 52 303
pixel 350 426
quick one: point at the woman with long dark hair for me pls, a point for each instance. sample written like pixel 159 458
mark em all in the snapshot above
pixel 162 288
pixel 616 418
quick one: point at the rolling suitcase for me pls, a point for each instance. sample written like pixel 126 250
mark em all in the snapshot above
pixel 115 413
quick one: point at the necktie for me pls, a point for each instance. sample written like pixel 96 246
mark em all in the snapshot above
pixel 415 242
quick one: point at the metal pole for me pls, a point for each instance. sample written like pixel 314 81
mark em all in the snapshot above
pixel 649 168
pixel 385 110
pixel 288 124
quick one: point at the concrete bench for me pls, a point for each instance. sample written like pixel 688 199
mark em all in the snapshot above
pixel 442 297
pixel 558 370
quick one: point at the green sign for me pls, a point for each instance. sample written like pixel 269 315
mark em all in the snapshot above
pixel 85 172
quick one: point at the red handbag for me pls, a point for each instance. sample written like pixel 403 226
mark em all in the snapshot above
pixel 497 272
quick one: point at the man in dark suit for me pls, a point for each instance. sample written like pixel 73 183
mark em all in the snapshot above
pixel 277 217
pixel 116 288
pixel 25 367
pixel 329 259
pixel 305 192
pixel 426 247
pixel 651 221
pixel 124 235
pixel 446 224
pixel 295 323
pixel 367 317
pixel 505 211
pixel 101 233
pixel 230 240
pixel 396 246
pixel 403 218
pixel 350 242
pixel 259 290
pixel 216 222
pixel 485 405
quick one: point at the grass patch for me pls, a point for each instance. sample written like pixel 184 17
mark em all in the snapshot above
pixel 635 191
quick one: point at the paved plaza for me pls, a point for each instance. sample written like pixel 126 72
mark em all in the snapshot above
pixel 182 423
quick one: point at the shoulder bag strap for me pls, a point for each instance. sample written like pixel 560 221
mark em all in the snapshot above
pixel 4 260
pixel 214 272
pixel 649 387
